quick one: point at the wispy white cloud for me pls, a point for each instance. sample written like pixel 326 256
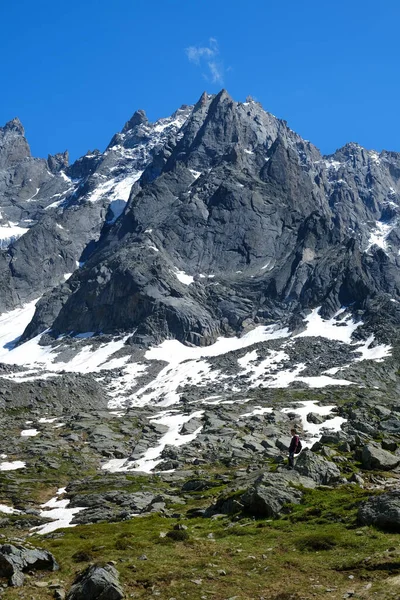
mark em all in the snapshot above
pixel 216 70
pixel 208 57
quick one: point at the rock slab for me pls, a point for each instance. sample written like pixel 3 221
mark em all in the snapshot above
pixel 97 582
pixel 382 511
pixel 375 458
pixel 16 559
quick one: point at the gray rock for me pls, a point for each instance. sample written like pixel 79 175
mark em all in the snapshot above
pixel 96 583
pixel 317 468
pixel 315 418
pixel 263 501
pixel 375 458
pixel 267 496
pixel 382 511
pixel 16 559
pixel 390 445
pixel 283 443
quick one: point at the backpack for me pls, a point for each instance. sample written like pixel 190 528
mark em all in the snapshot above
pixel 298 447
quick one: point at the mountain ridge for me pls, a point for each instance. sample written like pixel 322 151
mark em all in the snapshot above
pixel 223 193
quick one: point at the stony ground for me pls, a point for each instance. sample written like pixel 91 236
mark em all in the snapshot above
pixel 211 528
pixel 194 499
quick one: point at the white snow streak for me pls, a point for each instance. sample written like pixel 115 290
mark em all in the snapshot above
pixel 12 466
pixel 57 510
pixel 173 437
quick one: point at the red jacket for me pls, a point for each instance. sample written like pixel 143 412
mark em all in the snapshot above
pixel 294 443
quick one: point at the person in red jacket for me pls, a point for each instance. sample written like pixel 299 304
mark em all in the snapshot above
pixel 294 448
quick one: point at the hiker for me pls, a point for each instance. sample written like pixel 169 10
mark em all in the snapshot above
pixel 294 448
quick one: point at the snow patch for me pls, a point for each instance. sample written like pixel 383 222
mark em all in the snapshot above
pixel 57 510
pixel 29 432
pixel 9 510
pixel 9 233
pixel 184 277
pixel 173 437
pixel 332 329
pixel 313 430
pixel 378 236
pixel 12 466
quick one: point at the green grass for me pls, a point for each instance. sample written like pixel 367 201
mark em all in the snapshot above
pixel 315 548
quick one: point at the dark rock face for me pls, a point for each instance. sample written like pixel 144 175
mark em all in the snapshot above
pixel 202 225
pixel 382 511
pixel 375 458
pixel 16 559
pixel 96 583
pixel 53 214
pixel 236 219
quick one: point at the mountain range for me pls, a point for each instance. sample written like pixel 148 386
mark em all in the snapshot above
pixel 203 224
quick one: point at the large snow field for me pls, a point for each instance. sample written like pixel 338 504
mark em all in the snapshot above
pixel 184 364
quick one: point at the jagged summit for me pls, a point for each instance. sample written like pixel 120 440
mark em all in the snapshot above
pixel 14 125
pixel 138 118
pixel 202 223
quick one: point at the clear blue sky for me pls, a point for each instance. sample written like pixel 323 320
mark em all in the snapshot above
pixel 75 71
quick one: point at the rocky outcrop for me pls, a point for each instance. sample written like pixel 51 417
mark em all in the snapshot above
pixel 267 496
pixel 382 511
pixel 374 457
pixel 97 583
pixel 317 468
pixel 14 560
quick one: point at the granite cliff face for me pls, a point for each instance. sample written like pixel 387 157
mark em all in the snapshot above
pixel 201 225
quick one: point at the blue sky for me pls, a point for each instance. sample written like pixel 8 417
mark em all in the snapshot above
pixel 75 71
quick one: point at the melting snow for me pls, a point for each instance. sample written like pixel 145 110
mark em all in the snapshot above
pixel 313 430
pixel 184 277
pixel 34 195
pixel 9 233
pixel 258 410
pixel 379 235
pixel 196 174
pixel 57 510
pixel 12 325
pixel 377 353
pixel 333 164
pixel 332 329
pixel 9 510
pixel 29 432
pixel 12 466
pixel 173 437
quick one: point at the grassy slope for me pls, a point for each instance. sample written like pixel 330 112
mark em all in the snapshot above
pixel 318 547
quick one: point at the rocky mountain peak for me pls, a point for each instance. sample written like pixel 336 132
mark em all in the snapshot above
pixel 13 146
pixel 15 126
pixel 58 162
pixel 138 118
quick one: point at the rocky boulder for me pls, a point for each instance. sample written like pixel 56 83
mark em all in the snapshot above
pixel 16 559
pixel 266 496
pixel 269 501
pixel 96 583
pixel 382 511
pixel 373 457
pixel 320 470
